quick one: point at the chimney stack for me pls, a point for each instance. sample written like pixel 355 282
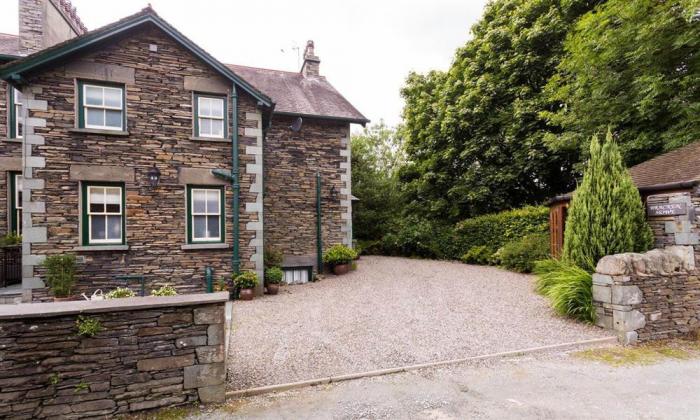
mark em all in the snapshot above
pixel 43 23
pixel 311 65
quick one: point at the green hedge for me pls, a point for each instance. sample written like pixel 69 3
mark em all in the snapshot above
pixel 497 229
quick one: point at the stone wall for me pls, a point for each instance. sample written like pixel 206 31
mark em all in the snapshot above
pixel 681 229
pixel 291 162
pixel 648 296
pixel 160 82
pixel 152 352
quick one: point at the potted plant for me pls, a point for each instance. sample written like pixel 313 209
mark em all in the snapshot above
pixel 273 278
pixel 60 276
pixel 339 256
pixel 246 282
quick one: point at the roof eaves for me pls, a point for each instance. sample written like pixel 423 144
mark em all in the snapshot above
pixel 362 120
pixel 11 70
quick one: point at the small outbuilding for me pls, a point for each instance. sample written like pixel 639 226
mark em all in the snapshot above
pixel 669 186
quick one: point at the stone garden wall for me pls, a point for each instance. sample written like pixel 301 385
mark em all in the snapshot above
pixel 648 296
pixel 152 352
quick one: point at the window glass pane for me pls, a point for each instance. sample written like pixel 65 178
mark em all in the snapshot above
pixel 217 128
pixel 213 226
pixel 199 227
pixel 93 95
pixel 18 191
pixel 95 117
pixel 18 96
pixel 113 97
pixel 96 199
pixel 199 198
pixel 97 227
pixel 212 201
pixel 217 108
pixel 114 227
pixel 204 106
pixel 113 118
pixel 204 127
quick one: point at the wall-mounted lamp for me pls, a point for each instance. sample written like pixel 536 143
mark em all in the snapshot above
pixel 153 176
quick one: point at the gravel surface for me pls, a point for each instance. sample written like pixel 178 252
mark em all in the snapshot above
pixel 390 312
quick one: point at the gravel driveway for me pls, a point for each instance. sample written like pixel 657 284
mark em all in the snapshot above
pixel 390 312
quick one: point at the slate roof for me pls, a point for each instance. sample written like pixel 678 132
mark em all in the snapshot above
pixel 295 94
pixel 9 44
pixel 677 166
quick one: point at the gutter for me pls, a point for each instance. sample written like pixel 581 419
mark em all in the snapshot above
pixel 361 121
pixel 648 189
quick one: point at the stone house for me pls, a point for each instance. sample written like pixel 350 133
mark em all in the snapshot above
pixel 670 188
pixel 137 151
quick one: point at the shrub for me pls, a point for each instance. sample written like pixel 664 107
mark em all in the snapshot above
pixel 246 280
pixel 520 255
pixel 272 257
pixel 339 254
pixel 567 287
pixel 60 274
pixel 220 285
pixel 496 229
pixel 606 215
pixel 120 293
pixel 87 326
pixel 477 255
pixel 273 275
pixel 416 237
pixel 11 239
pixel 165 290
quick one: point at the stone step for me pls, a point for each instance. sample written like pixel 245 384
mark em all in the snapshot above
pixel 10 299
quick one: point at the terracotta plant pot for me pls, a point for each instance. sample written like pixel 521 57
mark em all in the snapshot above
pixel 273 289
pixel 246 294
pixel 340 269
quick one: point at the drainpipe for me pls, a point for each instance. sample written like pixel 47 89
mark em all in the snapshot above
pixel 319 242
pixel 235 260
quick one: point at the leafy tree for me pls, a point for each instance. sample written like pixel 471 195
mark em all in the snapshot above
pixel 474 135
pixel 377 154
pixel 606 215
pixel 632 66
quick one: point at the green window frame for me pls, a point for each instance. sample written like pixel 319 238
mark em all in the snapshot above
pixel 104 106
pixel 15 202
pixel 205 115
pixel 14 108
pixel 90 214
pixel 205 214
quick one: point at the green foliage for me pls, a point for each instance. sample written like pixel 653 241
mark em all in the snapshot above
pixel 82 386
pixel 60 274
pixel 520 255
pixel 220 285
pixel 631 66
pixel 120 293
pixel 273 275
pixel 567 287
pixel 477 255
pixel 413 236
pixel 11 239
pixel 377 154
pixel 272 257
pixel 339 254
pixel 496 229
pixel 87 326
pixel 165 290
pixel 54 379
pixel 246 280
pixel 606 214
pixel 474 135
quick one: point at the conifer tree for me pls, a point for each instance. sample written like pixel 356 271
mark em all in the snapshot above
pixel 606 215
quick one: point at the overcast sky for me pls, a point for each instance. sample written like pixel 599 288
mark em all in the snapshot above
pixel 366 47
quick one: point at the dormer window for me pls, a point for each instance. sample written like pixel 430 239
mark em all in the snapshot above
pixel 209 116
pixel 101 106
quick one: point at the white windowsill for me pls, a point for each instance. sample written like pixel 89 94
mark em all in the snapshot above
pixel 204 246
pixel 99 131
pixel 102 248
pixel 219 139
